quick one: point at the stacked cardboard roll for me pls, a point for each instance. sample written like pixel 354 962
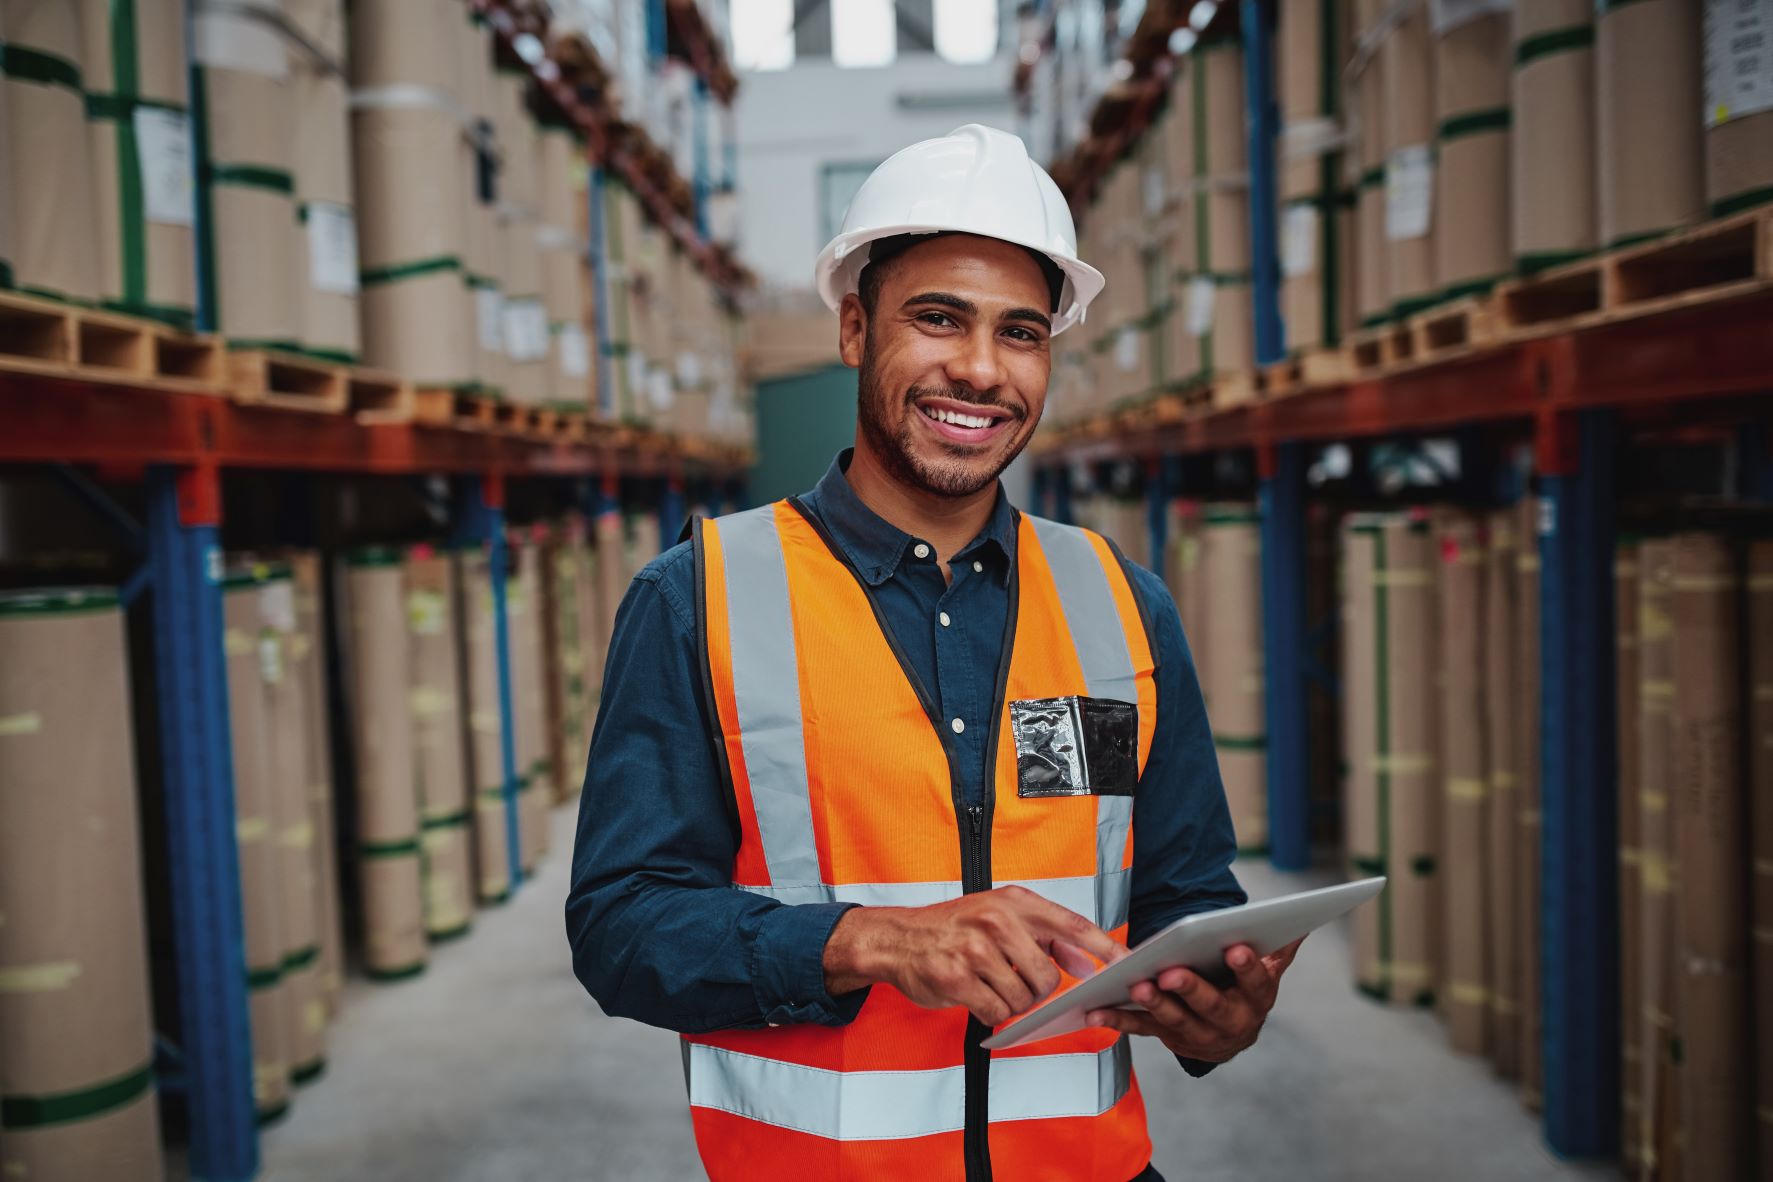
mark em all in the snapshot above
pixel 1650 151
pixel 48 206
pixel 1372 283
pixel 1507 898
pixel 594 637
pixel 525 316
pixel 535 789
pixel 481 724
pixel 1179 243
pixel 1464 769
pixel 1472 245
pixel 411 165
pixel 1229 658
pixel 75 1018
pixel 1317 214
pixel 325 195
pixel 1389 733
pixel 248 651
pixel 1219 292
pixel 1553 213
pixel 1710 814
pixel 1659 1071
pixel 565 648
pixel 620 217
pixel 1631 897
pixel 307 661
pixel 1760 755
pixel 561 199
pixel 1526 700
pixel 1406 78
pixel 644 541
pixel 480 177
pixel 613 572
pixel 438 751
pixel 292 827
pixel 390 856
pixel 1738 105
pixel 246 140
pixel 137 90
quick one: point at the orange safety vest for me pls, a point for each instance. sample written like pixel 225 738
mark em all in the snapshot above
pixel 844 790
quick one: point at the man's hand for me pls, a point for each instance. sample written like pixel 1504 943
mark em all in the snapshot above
pixel 1198 1021
pixel 997 953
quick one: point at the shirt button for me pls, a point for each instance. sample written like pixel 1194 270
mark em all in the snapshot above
pixel 958 726
pixel 921 550
pixel 944 618
pixel 978 568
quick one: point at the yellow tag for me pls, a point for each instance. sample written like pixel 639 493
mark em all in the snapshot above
pixel 13 725
pixel 49 977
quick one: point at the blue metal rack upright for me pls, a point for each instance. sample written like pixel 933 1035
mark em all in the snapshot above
pixel 605 351
pixel 185 564
pixel 1579 934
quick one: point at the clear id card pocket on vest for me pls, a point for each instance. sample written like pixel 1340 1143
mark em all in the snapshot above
pixel 1075 746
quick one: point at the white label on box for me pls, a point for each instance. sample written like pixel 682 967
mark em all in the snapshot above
pixel 689 369
pixel 1738 59
pixel 270 657
pixel 1126 348
pixel 1156 192
pixel 1446 15
pixel 489 316
pixel 575 351
pixel 163 152
pixel 636 373
pixel 1409 192
pixel 1299 241
pixel 1203 294
pixel 659 390
pixel 332 247
pixel 277 606
pixel 526 330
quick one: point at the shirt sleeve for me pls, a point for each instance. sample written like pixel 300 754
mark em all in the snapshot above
pixel 658 932
pixel 1183 842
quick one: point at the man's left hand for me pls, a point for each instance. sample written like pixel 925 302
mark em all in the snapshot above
pixel 1198 1020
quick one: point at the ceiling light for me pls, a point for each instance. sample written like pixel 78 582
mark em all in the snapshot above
pixel 1202 14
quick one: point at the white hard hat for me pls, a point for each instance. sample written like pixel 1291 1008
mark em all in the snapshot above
pixel 974 180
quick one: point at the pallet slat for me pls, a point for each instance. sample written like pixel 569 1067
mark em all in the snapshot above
pixel 283 380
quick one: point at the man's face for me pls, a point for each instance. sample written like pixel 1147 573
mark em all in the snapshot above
pixel 954 361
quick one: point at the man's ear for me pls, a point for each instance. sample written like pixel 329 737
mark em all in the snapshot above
pixel 852 330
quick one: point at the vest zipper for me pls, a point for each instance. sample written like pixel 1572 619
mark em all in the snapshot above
pixel 975 877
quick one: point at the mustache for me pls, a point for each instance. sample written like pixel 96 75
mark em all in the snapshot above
pixel 969 396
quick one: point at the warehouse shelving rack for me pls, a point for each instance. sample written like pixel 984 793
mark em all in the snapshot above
pixel 179 440
pixel 1703 365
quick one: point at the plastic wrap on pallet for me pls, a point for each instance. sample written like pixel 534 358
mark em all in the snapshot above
pixel 75 1015
pixel 51 232
pixel 1554 211
pixel 246 132
pixel 1473 248
pixel 439 755
pixel 1738 104
pixel 390 858
pixel 139 128
pixel 1650 149
pixel 324 190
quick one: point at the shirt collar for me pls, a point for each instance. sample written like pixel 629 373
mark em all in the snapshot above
pixel 876 547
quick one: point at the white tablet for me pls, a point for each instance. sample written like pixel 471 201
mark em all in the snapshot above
pixel 1196 942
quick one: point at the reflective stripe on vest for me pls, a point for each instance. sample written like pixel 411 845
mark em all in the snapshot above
pixel 844 792
pixel 894 1105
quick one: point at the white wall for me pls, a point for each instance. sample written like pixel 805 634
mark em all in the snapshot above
pixel 790 123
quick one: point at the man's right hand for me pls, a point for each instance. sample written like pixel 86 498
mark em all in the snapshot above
pixel 997 953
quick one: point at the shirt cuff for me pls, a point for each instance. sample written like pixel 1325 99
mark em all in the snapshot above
pixel 1195 1067
pixel 788 967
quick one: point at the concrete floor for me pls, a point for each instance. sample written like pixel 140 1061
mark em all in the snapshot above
pixel 496 1067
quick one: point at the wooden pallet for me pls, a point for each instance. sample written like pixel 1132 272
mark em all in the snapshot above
pixel 1453 330
pixel 1551 301
pixel 289 382
pixel 1307 371
pixel 375 397
pixel 435 407
pixel 1374 351
pixel 46 337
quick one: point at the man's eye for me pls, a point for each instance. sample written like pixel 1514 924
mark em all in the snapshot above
pixel 1025 334
pixel 938 319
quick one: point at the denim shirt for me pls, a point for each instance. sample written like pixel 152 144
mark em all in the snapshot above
pixel 657 932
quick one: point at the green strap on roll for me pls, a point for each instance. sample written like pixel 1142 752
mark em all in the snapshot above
pixel 1373 178
pixel 1553 41
pixel 1737 202
pixel 405 848
pixel 60 1108
pixel 47 69
pixel 418 268
pixel 446 820
pixel 1240 742
pixel 253 176
pixel 1475 123
pixel 301 958
pixel 264 977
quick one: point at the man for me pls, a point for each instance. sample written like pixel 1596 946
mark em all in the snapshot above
pixel 944 751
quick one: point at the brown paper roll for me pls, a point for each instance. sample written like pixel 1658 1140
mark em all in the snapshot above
pixel 1232 671
pixel 1472 246
pixel 1554 209
pixel 387 802
pixel 1526 724
pixel 1760 669
pixel 1407 769
pixel 1650 148
pixel 1501 657
pixel 1739 162
pixel 1406 80
pixel 323 174
pixel 248 650
pixel 1631 891
pixel 406 43
pixel 1365 851
pixel 74 1004
pixel 307 658
pixel 481 725
pixel 438 750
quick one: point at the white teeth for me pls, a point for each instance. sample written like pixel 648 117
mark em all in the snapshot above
pixel 960 420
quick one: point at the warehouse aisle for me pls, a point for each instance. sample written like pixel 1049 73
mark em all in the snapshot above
pixel 495 1065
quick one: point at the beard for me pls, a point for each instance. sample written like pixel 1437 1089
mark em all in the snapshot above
pixel 885 419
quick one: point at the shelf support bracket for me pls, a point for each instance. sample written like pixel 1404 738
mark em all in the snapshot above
pixel 1264 130
pixel 101 503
